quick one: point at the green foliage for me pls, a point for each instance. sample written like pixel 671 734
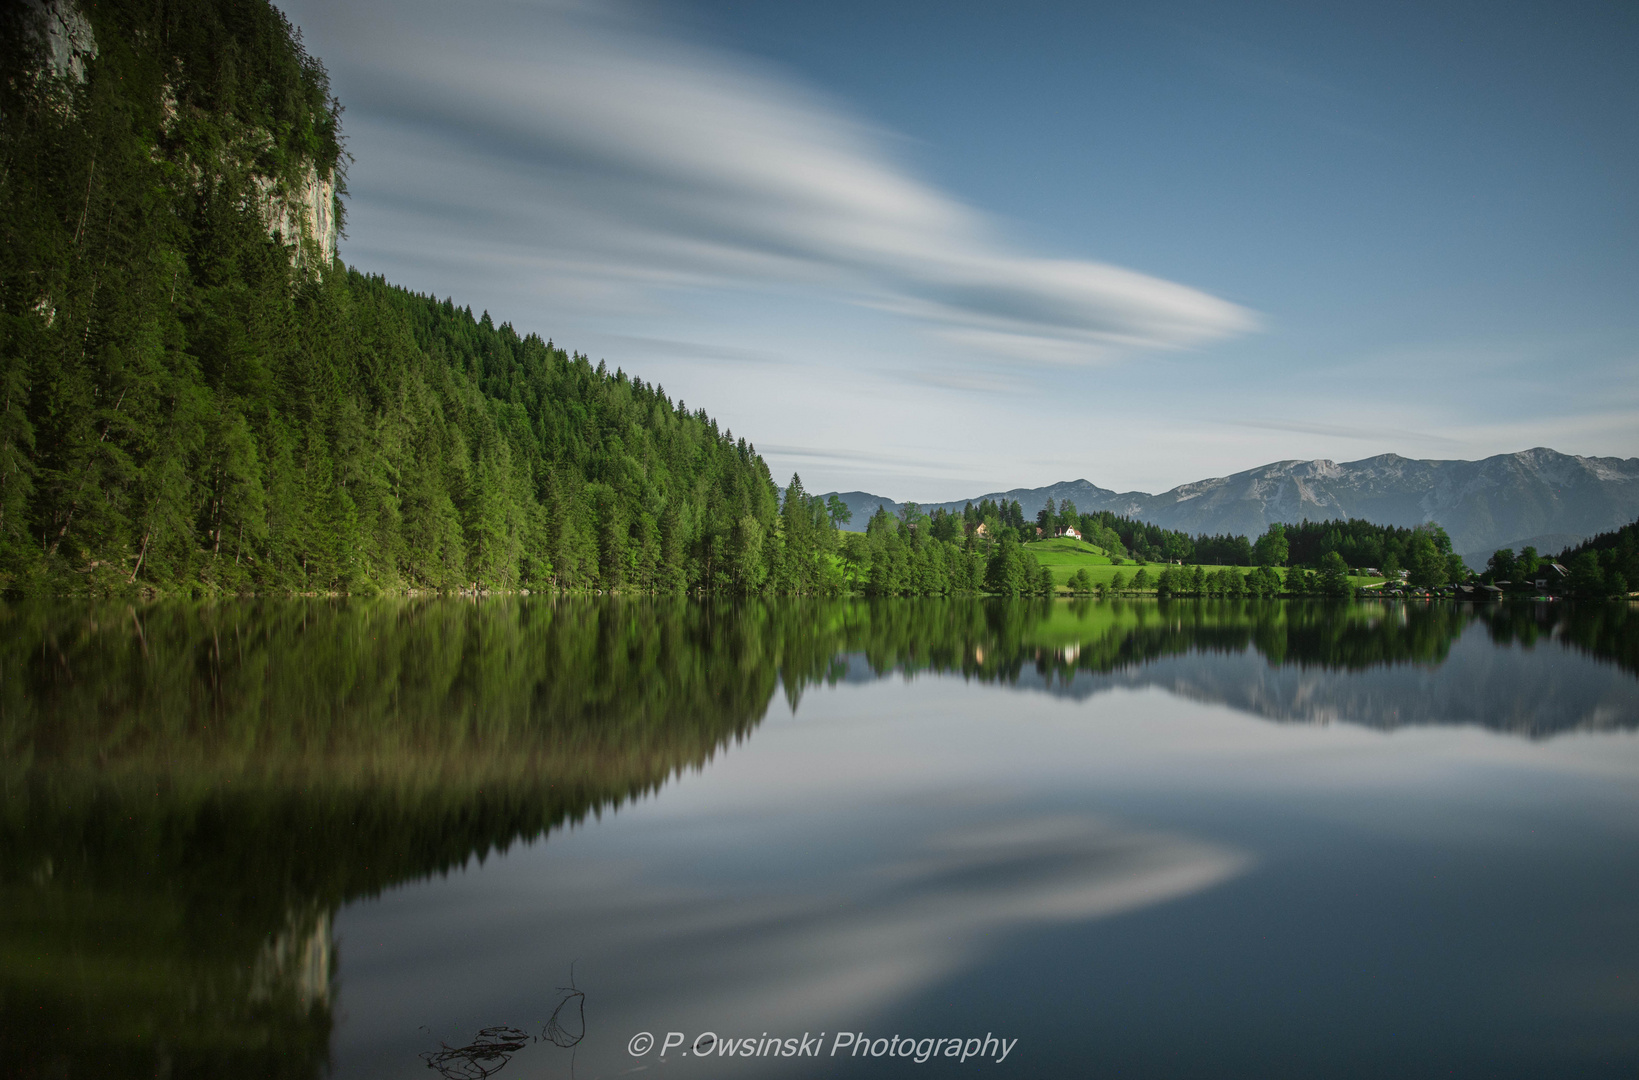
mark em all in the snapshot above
pixel 1043 584
pixel 1424 559
pixel 1264 581
pixel 839 512
pixel 1007 573
pixel 1587 577
pixel 1617 555
pixel 1271 548
pixel 1082 570
pixel 1359 542
pixel 1333 579
pixel 1123 536
pixel 912 556
pixel 190 401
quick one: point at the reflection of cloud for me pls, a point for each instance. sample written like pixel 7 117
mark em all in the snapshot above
pixel 851 938
pixel 741 924
pixel 574 139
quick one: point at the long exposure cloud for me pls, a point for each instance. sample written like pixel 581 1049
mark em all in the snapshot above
pixel 590 154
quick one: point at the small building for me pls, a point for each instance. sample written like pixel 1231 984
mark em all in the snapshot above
pixel 1066 530
pixel 1554 576
pixel 979 529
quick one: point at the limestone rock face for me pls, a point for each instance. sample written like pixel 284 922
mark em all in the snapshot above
pixel 65 36
pixel 304 215
pixel 301 214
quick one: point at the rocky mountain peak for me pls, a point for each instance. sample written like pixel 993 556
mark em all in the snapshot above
pixel 1539 497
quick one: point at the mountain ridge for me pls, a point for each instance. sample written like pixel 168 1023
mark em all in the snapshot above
pixel 1538 495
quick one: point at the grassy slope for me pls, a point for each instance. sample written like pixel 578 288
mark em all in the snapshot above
pixel 1069 554
pixel 1066 556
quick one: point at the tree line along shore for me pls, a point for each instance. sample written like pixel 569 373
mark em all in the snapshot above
pixel 990 547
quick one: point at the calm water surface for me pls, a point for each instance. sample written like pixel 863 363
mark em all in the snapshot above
pixel 1213 839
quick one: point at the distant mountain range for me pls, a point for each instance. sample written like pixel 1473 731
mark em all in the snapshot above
pixel 1538 497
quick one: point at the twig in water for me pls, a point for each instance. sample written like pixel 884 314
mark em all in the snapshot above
pixel 486 1054
pixel 493 1047
pixel 567 1024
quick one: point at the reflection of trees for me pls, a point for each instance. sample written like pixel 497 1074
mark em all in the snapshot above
pixel 1323 660
pixel 187 793
pixel 1608 631
pixel 996 640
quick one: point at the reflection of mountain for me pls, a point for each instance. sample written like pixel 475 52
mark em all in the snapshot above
pixel 1525 670
pixel 1532 692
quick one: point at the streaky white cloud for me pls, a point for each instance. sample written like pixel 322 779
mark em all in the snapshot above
pixel 593 148
pixel 1353 432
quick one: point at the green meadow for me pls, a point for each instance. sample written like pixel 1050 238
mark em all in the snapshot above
pixel 1064 556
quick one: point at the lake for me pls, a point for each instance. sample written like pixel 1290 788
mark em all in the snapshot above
pixel 544 837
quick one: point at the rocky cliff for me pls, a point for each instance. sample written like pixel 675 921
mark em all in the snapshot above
pixel 64 35
pixel 298 202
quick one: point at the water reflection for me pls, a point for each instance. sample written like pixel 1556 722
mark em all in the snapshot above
pixel 1528 670
pixel 843 931
pixel 191 792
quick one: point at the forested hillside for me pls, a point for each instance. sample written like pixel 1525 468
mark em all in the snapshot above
pixel 1605 564
pixel 196 395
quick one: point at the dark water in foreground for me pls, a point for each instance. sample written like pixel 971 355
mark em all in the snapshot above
pixel 1200 839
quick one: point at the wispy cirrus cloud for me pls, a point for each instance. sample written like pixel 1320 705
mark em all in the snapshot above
pixel 593 151
pixel 1344 431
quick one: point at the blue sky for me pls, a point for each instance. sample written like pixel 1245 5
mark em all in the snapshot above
pixel 930 250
